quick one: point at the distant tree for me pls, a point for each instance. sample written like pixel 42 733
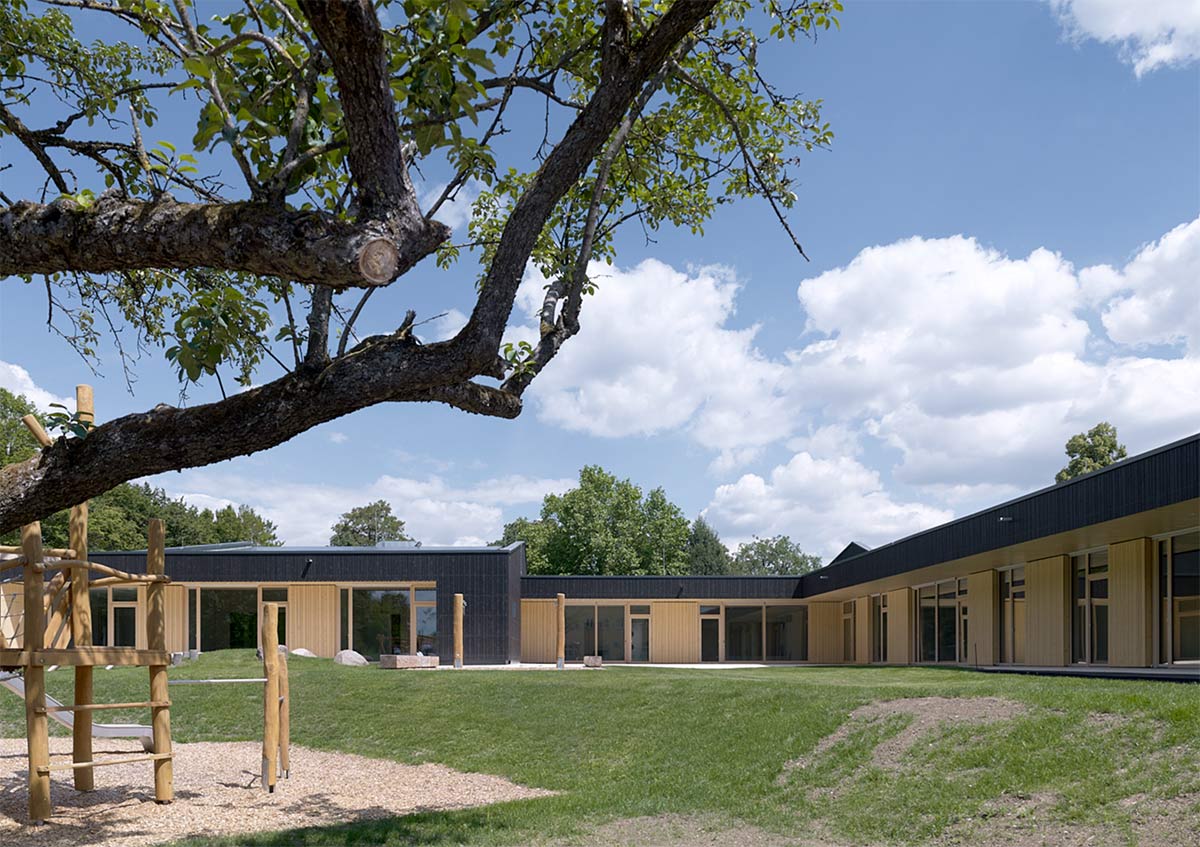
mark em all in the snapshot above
pixel 1089 451
pixel 664 536
pixel 536 535
pixel 778 556
pixel 366 526
pixel 16 444
pixel 707 556
pixel 245 524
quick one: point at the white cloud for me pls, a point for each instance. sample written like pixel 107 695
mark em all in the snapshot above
pixel 1149 33
pixel 17 380
pixel 822 504
pixel 656 353
pixel 455 212
pixel 442 327
pixel 435 512
pixel 338 437
pixel 1155 298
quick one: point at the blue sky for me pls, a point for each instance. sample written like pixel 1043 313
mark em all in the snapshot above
pixel 1005 245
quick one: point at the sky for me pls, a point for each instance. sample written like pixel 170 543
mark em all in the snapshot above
pixel 1005 250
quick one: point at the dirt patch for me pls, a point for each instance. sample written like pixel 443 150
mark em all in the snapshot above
pixel 925 713
pixel 218 792
pixel 683 831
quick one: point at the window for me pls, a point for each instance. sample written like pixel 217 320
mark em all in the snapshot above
pixel 193 618
pixel 848 631
pixel 1179 598
pixel 98 598
pixel 610 633
pixel 344 634
pixel 228 618
pixel 927 623
pixel 1012 616
pixel 743 633
pixel 1089 610
pixel 382 621
pixel 580 625
pixel 941 621
pixel 879 628
pixel 425 604
pixel 787 633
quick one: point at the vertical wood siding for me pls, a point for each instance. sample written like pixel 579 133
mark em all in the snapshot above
pixel 982 626
pixel 176 618
pixel 900 631
pixel 1130 604
pixel 825 632
pixel 674 632
pixel 312 618
pixel 538 624
pixel 862 630
pixel 1047 612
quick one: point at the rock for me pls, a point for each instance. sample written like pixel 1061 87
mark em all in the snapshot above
pixel 306 653
pixel 349 657
pixel 593 662
pixel 397 662
pixel 177 658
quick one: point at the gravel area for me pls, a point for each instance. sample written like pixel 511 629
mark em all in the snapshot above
pixel 218 792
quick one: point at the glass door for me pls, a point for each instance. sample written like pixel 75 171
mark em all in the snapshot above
pixel 639 639
pixel 710 639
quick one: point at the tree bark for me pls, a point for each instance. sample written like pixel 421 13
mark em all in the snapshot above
pixel 122 235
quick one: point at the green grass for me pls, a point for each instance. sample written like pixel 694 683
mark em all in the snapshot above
pixel 628 742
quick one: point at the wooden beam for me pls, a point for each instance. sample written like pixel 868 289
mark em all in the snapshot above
pixel 101 707
pixel 560 639
pixel 37 431
pixel 81 616
pixel 37 728
pixel 156 640
pixel 270 650
pixel 84 656
pixel 45 770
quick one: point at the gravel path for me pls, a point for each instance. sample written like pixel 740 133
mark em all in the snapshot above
pixel 217 792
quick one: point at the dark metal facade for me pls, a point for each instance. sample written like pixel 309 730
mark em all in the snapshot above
pixel 661 587
pixel 488 579
pixel 1162 477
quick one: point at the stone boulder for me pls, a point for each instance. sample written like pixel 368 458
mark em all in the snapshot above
pixel 593 662
pixel 349 657
pixel 401 662
pixel 305 652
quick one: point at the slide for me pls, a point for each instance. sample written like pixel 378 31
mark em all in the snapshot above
pixel 16 685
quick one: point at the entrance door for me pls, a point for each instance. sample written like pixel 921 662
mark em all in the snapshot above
pixel 639 639
pixel 710 639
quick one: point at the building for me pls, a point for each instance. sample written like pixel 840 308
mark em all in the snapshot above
pixel 1102 571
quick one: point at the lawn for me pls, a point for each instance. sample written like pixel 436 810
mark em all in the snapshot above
pixel 631 742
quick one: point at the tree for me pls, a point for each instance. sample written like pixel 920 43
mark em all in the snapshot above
pixel 604 526
pixel 707 556
pixel 778 556
pixel 1089 451
pixel 654 114
pixel 366 526
pixel 117 519
pixel 536 535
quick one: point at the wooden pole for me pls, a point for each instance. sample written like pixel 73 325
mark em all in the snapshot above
pixel 285 717
pixel 37 729
pixel 270 648
pixel 156 639
pixel 560 641
pixel 81 618
pixel 458 630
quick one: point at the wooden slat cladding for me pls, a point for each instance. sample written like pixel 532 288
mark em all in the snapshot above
pixel 1159 478
pixel 313 612
pixel 674 632
pixel 862 630
pixel 1047 612
pixel 982 645
pixel 176 618
pixel 825 632
pixel 900 630
pixel 538 630
pixel 1131 592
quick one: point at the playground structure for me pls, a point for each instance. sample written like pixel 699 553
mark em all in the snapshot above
pixel 49 624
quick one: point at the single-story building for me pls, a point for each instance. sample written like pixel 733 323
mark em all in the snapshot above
pixel 1100 571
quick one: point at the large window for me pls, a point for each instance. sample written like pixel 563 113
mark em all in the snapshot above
pixel 1089 611
pixel 1179 598
pixel 879 612
pixel 787 633
pixel 580 632
pixel 1012 616
pixel 941 621
pixel 98 598
pixel 382 620
pixel 228 618
pixel 610 633
pixel 743 633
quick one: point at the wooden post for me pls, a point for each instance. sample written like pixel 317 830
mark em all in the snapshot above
pixel 458 630
pixel 37 730
pixel 270 650
pixel 285 717
pixel 560 640
pixel 81 618
pixel 156 639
